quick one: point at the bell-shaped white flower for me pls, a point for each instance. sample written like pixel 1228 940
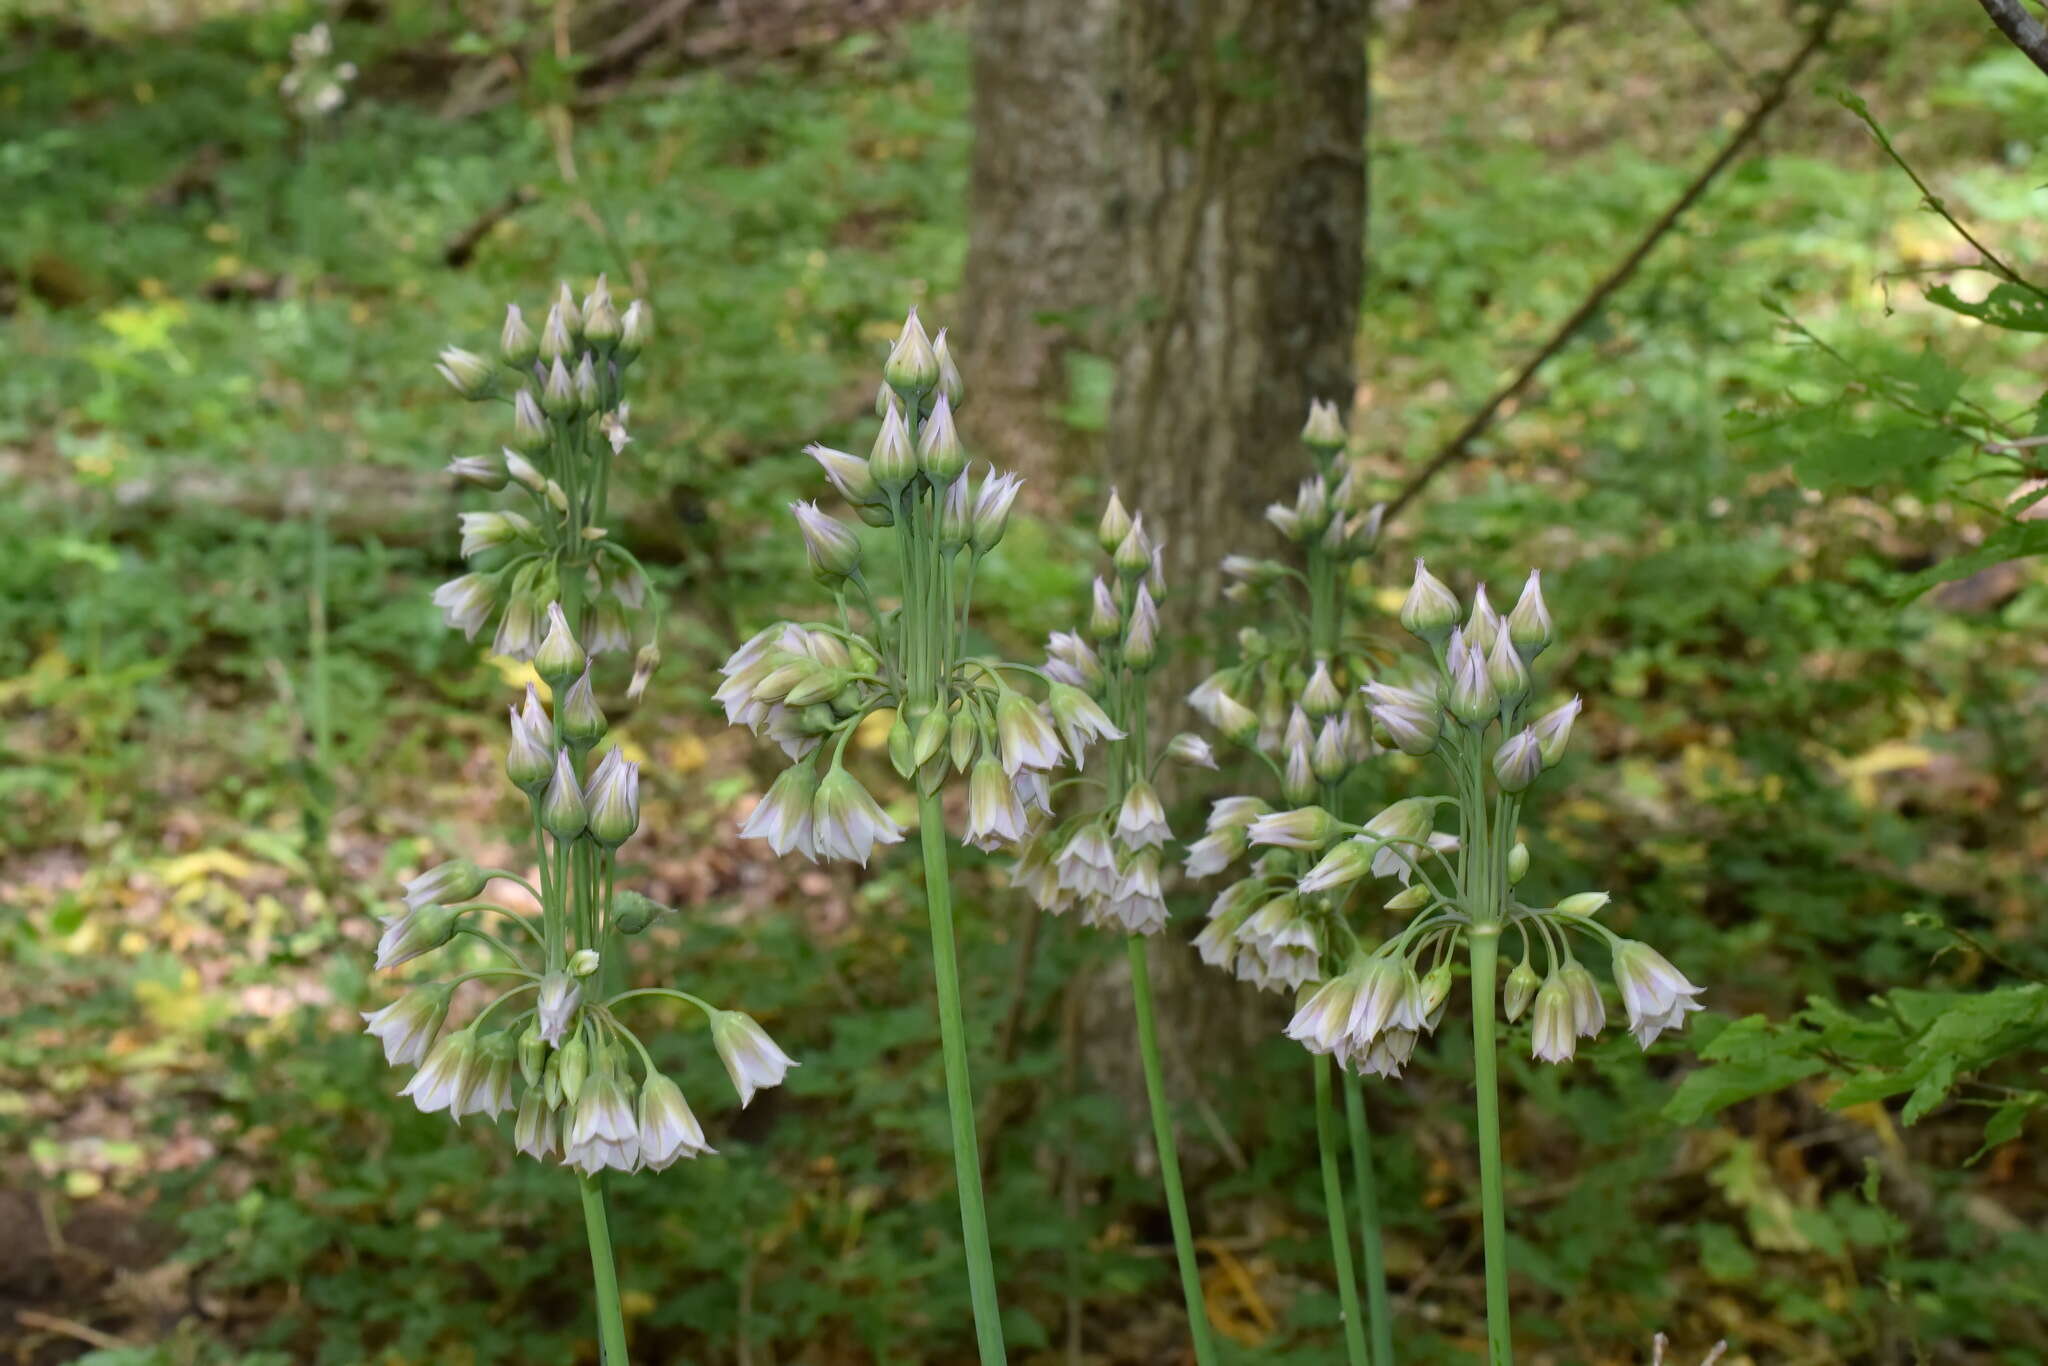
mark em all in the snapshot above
pixel 668 1128
pixel 1656 995
pixel 751 1058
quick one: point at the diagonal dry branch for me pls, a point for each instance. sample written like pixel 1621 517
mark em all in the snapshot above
pixel 1774 95
pixel 2022 28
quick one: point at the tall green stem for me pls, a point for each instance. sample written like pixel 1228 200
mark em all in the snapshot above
pixel 1169 1158
pixel 1500 1345
pixel 1333 1202
pixel 938 895
pixel 1379 1313
pixel 611 1320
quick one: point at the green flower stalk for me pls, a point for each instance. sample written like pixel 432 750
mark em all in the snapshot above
pixel 314 88
pixel 566 389
pixel 809 685
pixel 1475 715
pixel 1291 698
pixel 552 1045
pixel 1102 857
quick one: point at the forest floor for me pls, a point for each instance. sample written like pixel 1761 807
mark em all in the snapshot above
pixel 208 320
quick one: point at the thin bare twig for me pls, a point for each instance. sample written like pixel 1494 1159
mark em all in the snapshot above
pixel 462 247
pixel 1460 444
pixel 70 1328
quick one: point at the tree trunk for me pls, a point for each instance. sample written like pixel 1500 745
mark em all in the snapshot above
pixel 1243 129
pixel 1042 265
pixel 1178 185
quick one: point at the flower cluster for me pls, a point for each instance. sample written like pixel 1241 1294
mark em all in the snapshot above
pixel 566 390
pixel 1104 858
pixel 567 1050
pixel 315 85
pixel 804 684
pixel 1292 699
pixel 1371 1013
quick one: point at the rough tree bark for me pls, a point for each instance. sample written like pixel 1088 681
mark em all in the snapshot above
pixel 1043 264
pixel 1242 124
pixel 1178 185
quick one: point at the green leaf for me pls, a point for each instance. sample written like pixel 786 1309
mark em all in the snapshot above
pixel 2010 306
pixel 1747 1059
pixel 1891 453
pixel 2014 541
pixel 2008 1120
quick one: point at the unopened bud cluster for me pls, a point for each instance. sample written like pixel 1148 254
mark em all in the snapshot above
pixel 565 385
pixel 551 1045
pixel 809 685
pixel 315 85
pixel 1475 714
pixel 1291 697
pixel 1104 856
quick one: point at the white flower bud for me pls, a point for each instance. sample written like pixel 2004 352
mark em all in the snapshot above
pixel 1430 610
pixel 913 366
pixel 1529 624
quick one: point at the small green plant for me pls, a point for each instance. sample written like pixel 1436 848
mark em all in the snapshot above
pixel 809 686
pixel 566 1059
pixel 1102 858
pixel 1311 732
pixel 1458 888
pixel 314 88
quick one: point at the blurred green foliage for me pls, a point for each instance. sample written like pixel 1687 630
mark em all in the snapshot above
pixel 1812 785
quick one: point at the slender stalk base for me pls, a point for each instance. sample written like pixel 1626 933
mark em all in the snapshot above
pixel 938 894
pixel 1378 1313
pixel 611 1320
pixel 1333 1205
pixel 1500 1342
pixel 1169 1158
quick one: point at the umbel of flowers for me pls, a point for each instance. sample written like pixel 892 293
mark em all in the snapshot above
pixel 997 726
pixel 552 1045
pixel 1475 711
pixel 1101 857
pixel 566 389
pixel 1291 698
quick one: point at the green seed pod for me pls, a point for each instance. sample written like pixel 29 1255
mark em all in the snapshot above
pixel 575 1061
pixel 533 1055
pixel 901 747
pixel 1518 863
pixel 963 736
pixel 1518 991
pixel 633 912
pixel 1412 899
pixel 551 1081
pixel 929 738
